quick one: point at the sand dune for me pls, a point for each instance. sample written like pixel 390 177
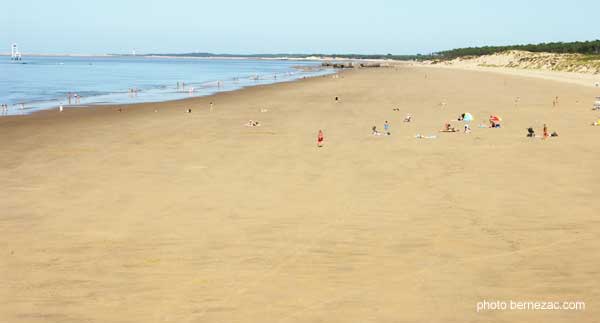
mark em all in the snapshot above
pixel 143 216
pixel 569 68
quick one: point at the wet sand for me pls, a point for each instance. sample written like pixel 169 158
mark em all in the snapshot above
pixel 144 216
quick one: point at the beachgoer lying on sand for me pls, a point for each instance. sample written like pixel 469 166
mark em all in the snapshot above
pixel 419 136
pixel 408 118
pixel 375 131
pixel 461 117
pixel 467 128
pixel 252 124
pixel 597 123
pixel 530 132
pixel 554 134
pixel 448 128
pixel 396 109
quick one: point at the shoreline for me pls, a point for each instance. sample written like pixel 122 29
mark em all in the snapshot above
pixel 580 79
pixel 573 78
pixel 53 111
pixel 310 71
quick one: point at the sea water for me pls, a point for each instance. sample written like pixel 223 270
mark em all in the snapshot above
pixel 39 83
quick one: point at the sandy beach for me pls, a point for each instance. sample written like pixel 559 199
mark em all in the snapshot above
pixel 153 214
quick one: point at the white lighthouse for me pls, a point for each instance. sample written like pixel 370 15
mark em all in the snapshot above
pixel 15 55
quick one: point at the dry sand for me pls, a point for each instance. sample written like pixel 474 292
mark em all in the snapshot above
pixel 143 216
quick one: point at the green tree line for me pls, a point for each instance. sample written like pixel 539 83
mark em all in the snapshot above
pixel 578 47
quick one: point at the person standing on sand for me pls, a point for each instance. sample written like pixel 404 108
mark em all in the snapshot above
pixel 320 139
pixel 386 128
pixel 545 132
pixel 211 107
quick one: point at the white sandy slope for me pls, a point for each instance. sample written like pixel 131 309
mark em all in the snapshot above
pixel 519 63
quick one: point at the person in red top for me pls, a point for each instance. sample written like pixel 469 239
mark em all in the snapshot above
pixel 546 135
pixel 320 139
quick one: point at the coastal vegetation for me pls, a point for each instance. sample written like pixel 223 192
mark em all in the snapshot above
pixel 591 48
pixel 579 63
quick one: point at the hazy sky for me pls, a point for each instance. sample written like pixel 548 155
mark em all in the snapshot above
pixel 276 26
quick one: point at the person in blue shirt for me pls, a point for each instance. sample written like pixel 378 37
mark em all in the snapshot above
pixel 386 128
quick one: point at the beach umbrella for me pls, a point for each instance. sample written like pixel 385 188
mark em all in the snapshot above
pixel 468 117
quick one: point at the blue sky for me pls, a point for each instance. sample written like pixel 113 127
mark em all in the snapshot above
pixel 270 26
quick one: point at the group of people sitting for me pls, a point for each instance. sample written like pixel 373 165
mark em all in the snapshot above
pixel 448 127
pixel 495 122
pixel 386 129
pixel 531 133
